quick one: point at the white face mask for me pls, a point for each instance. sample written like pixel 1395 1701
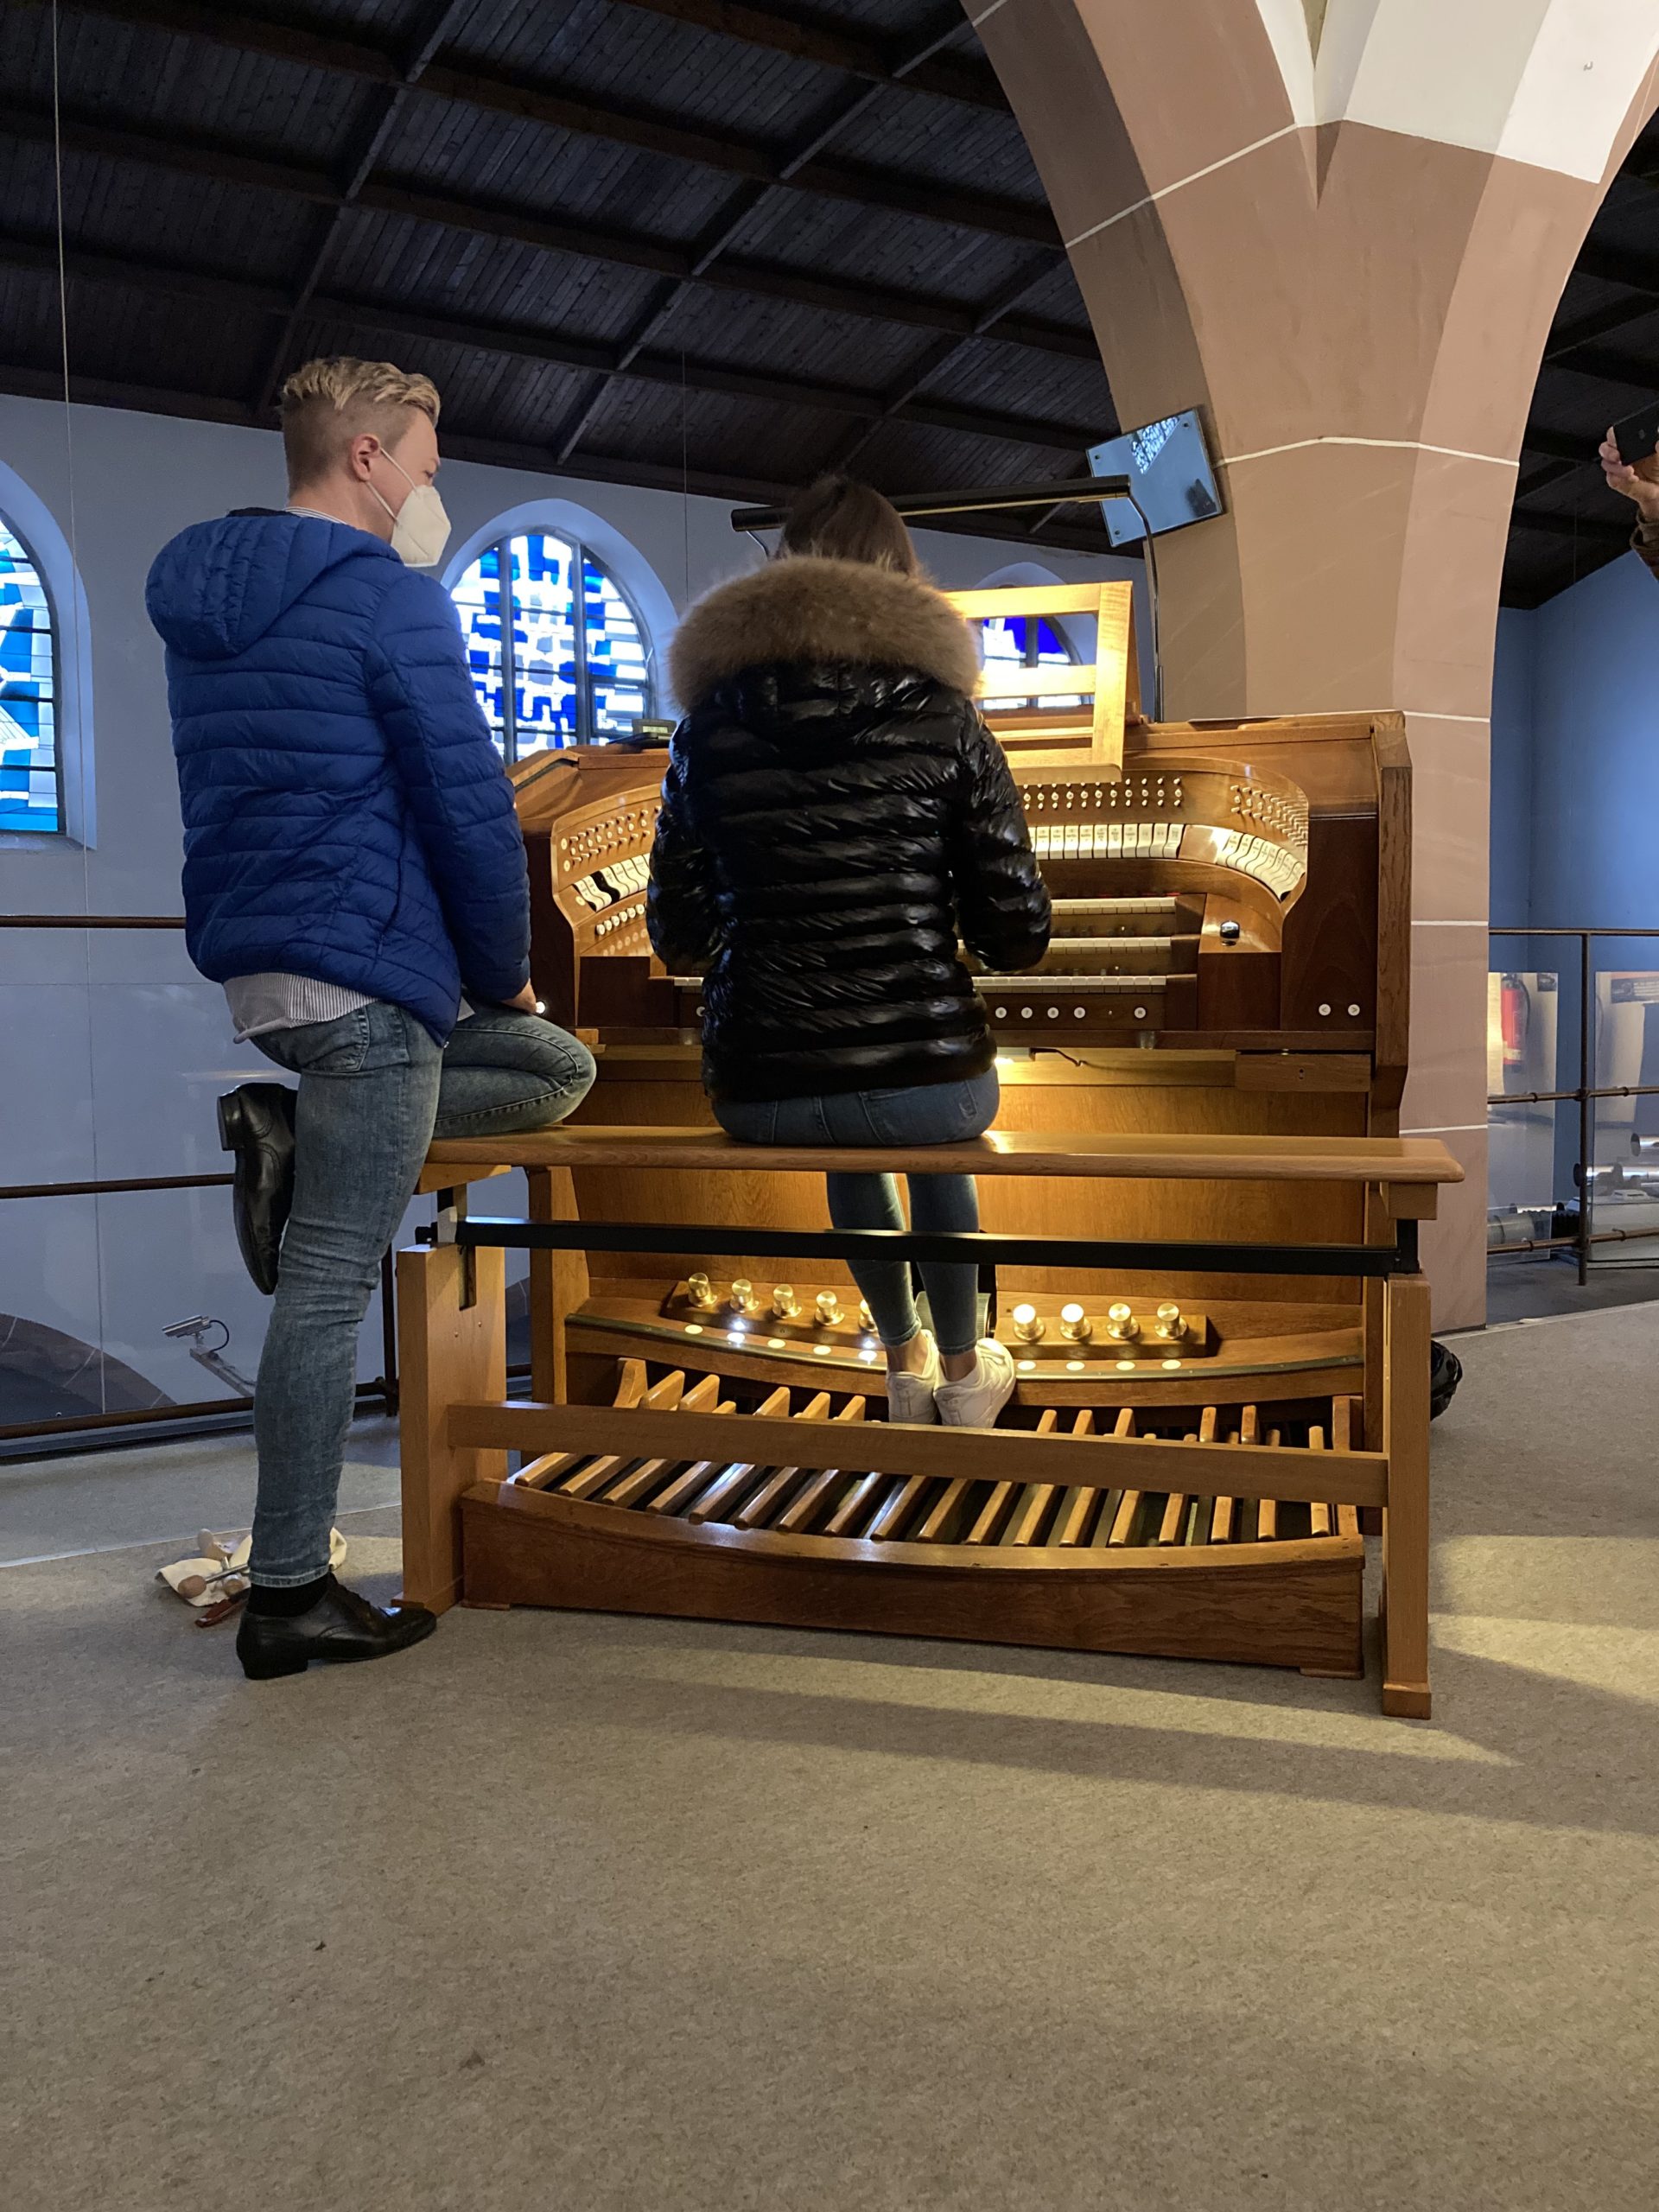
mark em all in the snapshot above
pixel 420 529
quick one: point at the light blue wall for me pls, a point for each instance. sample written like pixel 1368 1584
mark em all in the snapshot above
pixel 1575 756
pixel 1595 778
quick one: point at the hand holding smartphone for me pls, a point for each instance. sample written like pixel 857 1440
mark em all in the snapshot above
pixel 1637 436
pixel 1630 461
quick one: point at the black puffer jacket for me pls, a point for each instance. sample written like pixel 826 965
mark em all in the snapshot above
pixel 836 815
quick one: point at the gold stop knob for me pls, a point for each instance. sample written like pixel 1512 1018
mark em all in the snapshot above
pixel 1121 1324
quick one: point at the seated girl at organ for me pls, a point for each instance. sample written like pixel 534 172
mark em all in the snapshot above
pixel 836 815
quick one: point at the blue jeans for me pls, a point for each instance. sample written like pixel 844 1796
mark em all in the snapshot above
pixel 374 1091
pixel 932 1113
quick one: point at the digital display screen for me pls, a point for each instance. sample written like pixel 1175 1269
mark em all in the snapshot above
pixel 1168 464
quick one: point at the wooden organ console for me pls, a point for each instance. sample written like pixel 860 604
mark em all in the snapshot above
pixel 1227 970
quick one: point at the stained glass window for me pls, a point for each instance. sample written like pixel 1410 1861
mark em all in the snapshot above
pixel 30 796
pixel 558 654
pixel 1015 641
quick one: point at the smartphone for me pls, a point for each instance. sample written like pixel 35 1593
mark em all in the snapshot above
pixel 1637 436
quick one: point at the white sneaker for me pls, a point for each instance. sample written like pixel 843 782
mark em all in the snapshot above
pixel 910 1397
pixel 975 1402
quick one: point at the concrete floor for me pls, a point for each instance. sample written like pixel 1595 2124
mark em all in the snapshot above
pixel 562 1911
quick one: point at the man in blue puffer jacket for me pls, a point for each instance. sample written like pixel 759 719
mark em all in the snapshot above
pixel 352 869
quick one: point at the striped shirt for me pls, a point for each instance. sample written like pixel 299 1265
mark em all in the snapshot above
pixel 279 1001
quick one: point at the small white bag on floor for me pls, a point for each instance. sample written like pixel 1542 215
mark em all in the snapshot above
pixel 219 1573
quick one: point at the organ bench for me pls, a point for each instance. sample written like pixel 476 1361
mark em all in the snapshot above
pixel 1158 1487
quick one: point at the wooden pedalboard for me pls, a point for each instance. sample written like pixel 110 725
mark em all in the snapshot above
pixel 982 1554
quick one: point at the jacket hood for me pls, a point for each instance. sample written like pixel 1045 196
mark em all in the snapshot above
pixel 821 614
pixel 218 587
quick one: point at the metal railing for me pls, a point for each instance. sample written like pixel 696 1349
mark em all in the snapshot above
pixel 383 1390
pixel 1586 1237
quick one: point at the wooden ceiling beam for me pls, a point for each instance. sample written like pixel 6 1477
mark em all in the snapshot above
pixel 1559 446
pixel 383 106
pixel 745 205
pixel 565 109
pixel 840 46
pixel 1591 529
pixel 39 255
pixel 33 383
pixel 1605 363
pixel 188 154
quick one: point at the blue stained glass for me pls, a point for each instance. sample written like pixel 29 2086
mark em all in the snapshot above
pixel 617 673
pixel 543 643
pixel 1012 641
pixel 477 594
pixel 537 690
pixel 29 797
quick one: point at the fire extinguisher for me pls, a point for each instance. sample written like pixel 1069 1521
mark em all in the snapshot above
pixel 1517 1016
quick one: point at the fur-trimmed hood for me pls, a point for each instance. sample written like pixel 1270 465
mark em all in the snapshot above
pixel 820 614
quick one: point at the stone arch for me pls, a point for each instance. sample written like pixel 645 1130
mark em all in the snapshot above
pixel 1348 261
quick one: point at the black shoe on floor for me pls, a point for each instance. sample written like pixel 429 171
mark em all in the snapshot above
pixel 256 1122
pixel 341 1625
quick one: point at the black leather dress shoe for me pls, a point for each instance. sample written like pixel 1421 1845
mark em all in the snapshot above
pixel 256 1122
pixel 341 1625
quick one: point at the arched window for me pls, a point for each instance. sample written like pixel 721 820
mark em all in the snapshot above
pixel 1016 641
pixel 31 783
pixel 559 656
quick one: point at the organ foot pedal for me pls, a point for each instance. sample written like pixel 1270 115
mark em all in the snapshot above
pixel 796 1526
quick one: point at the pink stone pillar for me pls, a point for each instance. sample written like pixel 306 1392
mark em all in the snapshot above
pixel 1345 245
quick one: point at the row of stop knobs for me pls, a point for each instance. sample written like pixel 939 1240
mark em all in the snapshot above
pixel 786 1305
pixel 1169 1325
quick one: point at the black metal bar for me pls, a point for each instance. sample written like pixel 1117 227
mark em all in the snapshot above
pixel 193 1409
pixel 720 1241
pixel 91 921
pixel 976 499
pixel 1587 1116
pixel 102 1188
pixel 1547 1097
pixel 1569 1243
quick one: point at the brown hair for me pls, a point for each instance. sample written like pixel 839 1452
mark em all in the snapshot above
pixel 835 519
pixel 329 403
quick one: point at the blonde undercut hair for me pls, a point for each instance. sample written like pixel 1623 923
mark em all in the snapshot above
pixel 329 403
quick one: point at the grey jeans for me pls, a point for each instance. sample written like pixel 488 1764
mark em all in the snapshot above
pixel 374 1091
pixel 932 1113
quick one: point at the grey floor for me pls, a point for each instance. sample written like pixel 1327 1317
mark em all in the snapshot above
pixel 1533 1288
pixel 163 1493
pixel 561 1911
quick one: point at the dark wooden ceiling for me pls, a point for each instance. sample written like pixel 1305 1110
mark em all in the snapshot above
pixel 663 241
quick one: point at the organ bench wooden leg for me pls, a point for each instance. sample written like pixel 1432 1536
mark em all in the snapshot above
pixel 449 1353
pixel 558 1284
pixel 1405 1518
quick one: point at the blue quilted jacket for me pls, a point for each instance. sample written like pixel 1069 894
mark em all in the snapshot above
pixel 346 814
